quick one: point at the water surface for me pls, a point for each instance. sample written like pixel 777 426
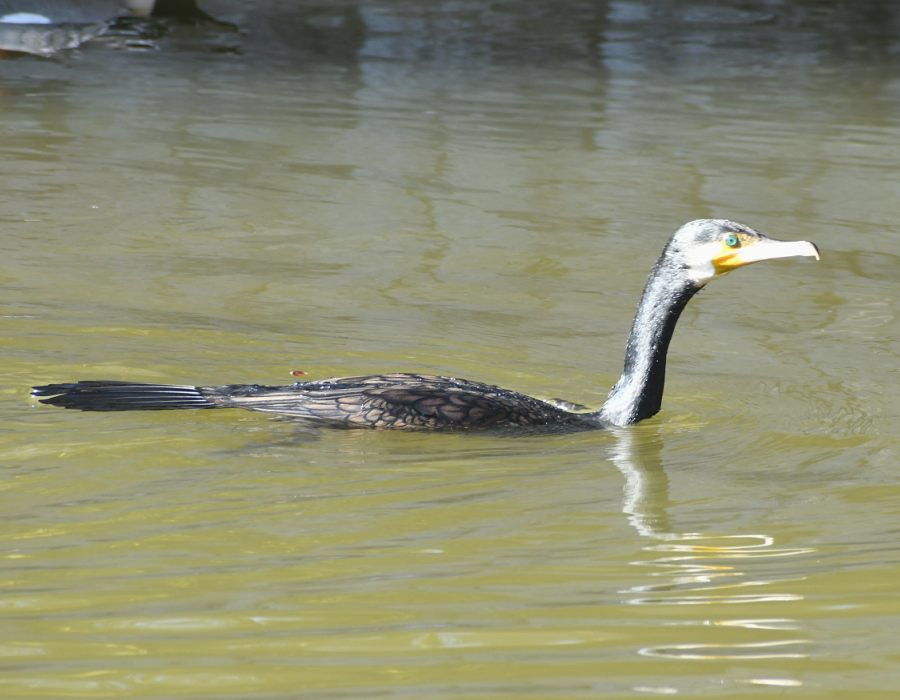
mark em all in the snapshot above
pixel 476 191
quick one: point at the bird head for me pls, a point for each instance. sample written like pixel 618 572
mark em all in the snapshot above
pixel 707 248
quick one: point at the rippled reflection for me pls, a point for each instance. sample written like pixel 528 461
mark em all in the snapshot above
pixel 785 649
pixel 704 569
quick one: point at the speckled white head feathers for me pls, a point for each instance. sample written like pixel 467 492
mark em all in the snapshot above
pixel 706 248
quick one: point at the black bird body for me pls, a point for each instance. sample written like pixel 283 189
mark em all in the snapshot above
pixel 395 401
pixel 699 251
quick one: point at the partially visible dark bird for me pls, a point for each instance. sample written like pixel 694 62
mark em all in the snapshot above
pixel 46 27
pixel 699 251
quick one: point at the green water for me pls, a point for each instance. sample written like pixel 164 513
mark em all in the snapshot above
pixel 480 192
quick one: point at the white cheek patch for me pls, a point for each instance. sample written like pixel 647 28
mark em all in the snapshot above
pixel 699 261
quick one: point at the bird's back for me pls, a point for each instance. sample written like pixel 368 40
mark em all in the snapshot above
pixel 398 401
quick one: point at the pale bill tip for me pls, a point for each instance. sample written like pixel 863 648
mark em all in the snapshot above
pixel 807 248
pixel 788 249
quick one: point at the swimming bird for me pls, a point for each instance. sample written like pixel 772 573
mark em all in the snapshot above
pixel 47 27
pixel 698 252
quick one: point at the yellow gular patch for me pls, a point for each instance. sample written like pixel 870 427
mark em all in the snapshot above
pixel 728 257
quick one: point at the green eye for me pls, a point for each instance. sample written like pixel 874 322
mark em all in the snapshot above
pixel 731 240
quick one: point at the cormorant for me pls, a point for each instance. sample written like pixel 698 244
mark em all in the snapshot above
pixel 699 251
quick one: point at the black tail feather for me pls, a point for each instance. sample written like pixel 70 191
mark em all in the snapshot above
pixel 121 396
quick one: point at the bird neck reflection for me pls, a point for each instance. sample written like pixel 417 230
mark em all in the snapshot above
pixel 709 573
pixel 645 494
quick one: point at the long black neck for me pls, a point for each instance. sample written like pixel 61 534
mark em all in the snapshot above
pixel 638 393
